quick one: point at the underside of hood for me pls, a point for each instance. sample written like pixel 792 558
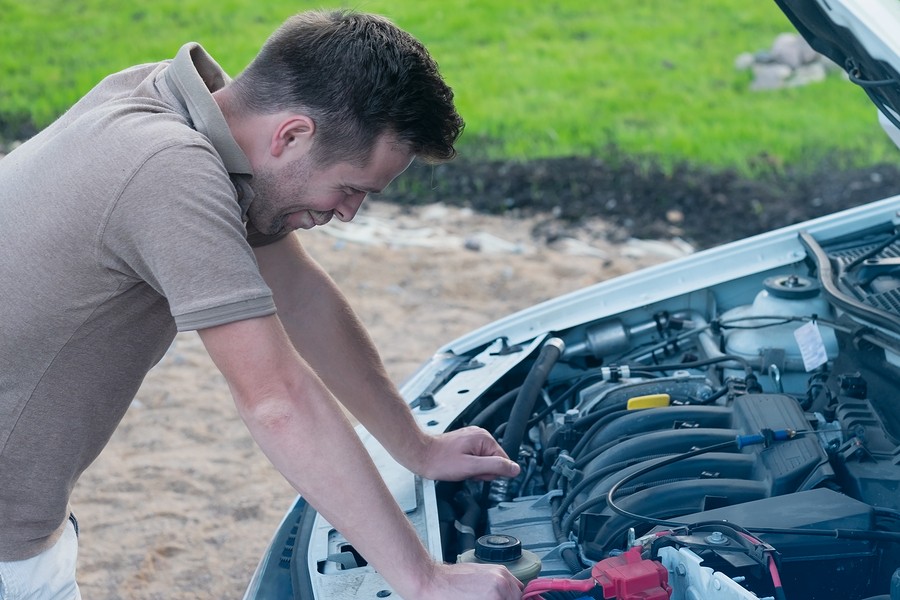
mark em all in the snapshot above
pixel 862 37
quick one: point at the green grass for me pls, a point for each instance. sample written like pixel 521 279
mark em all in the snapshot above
pixel 532 79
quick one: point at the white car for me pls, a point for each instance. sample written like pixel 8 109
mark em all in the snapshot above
pixel 724 426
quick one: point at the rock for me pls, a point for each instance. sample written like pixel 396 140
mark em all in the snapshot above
pixel 770 76
pixel 744 61
pixel 670 249
pixel 792 50
pixel 790 62
pixel 482 241
pixel 806 74
pixel 435 212
pixel 575 247
pixel 674 216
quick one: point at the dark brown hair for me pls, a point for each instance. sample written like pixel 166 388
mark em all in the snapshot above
pixel 357 76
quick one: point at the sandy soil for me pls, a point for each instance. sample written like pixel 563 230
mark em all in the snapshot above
pixel 182 504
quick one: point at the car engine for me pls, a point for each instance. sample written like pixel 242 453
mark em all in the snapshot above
pixel 741 443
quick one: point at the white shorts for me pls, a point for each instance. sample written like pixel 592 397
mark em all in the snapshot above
pixel 48 576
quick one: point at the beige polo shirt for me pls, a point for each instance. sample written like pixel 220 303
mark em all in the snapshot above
pixel 119 223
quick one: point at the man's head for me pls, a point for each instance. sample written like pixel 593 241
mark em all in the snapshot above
pixel 297 194
pixel 358 77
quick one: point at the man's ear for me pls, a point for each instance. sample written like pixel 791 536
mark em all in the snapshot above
pixel 294 133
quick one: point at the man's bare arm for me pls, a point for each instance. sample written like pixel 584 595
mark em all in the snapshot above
pixel 303 432
pixel 327 333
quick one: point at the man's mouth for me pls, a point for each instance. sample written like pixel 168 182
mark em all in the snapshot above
pixel 321 218
pixel 308 219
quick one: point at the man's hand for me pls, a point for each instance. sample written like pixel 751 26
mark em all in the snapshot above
pixel 467 453
pixel 464 581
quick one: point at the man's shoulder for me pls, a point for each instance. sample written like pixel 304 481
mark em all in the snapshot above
pixel 133 86
pixel 135 106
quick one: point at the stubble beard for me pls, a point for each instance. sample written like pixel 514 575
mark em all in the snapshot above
pixel 276 196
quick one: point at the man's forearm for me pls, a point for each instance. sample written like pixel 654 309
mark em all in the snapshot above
pixel 327 333
pixel 303 432
pixel 318 452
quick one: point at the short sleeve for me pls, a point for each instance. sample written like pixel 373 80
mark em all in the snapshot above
pixel 177 226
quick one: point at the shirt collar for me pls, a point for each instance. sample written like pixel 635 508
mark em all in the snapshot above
pixel 192 76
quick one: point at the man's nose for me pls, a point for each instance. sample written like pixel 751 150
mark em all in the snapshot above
pixel 349 206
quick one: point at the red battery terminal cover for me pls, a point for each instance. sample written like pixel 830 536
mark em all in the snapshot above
pixel 630 577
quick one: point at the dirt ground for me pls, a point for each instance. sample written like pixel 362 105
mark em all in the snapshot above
pixel 182 504
pixel 706 207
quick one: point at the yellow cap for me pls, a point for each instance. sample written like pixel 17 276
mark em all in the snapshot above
pixel 648 401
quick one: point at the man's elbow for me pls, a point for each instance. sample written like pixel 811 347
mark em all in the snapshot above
pixel 274 409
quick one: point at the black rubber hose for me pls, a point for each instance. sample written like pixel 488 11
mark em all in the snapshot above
pixel 467 522
pixel 528 395
pixel 446 520
pixel 568 554
pixel 567 395
pixel 483 418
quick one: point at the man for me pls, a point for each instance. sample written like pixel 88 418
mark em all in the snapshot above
pixel 163 200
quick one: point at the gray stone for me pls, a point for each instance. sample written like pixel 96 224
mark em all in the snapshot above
pixel 792 50
pixel 769 77
pixel 806 74
pixel 791 61
pixel 744 61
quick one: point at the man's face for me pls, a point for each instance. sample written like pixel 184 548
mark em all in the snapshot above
pixel 301 195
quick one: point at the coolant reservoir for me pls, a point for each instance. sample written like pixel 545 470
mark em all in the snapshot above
pixel 506 550
pixel 782 296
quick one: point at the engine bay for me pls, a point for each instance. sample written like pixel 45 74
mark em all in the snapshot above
pixel 738 443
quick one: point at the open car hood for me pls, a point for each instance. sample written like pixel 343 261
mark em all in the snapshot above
pixel 862 37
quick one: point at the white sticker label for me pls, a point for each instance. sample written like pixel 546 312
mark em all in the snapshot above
pixel 812 348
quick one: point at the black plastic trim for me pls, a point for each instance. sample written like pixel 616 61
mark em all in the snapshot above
pixel 829 287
